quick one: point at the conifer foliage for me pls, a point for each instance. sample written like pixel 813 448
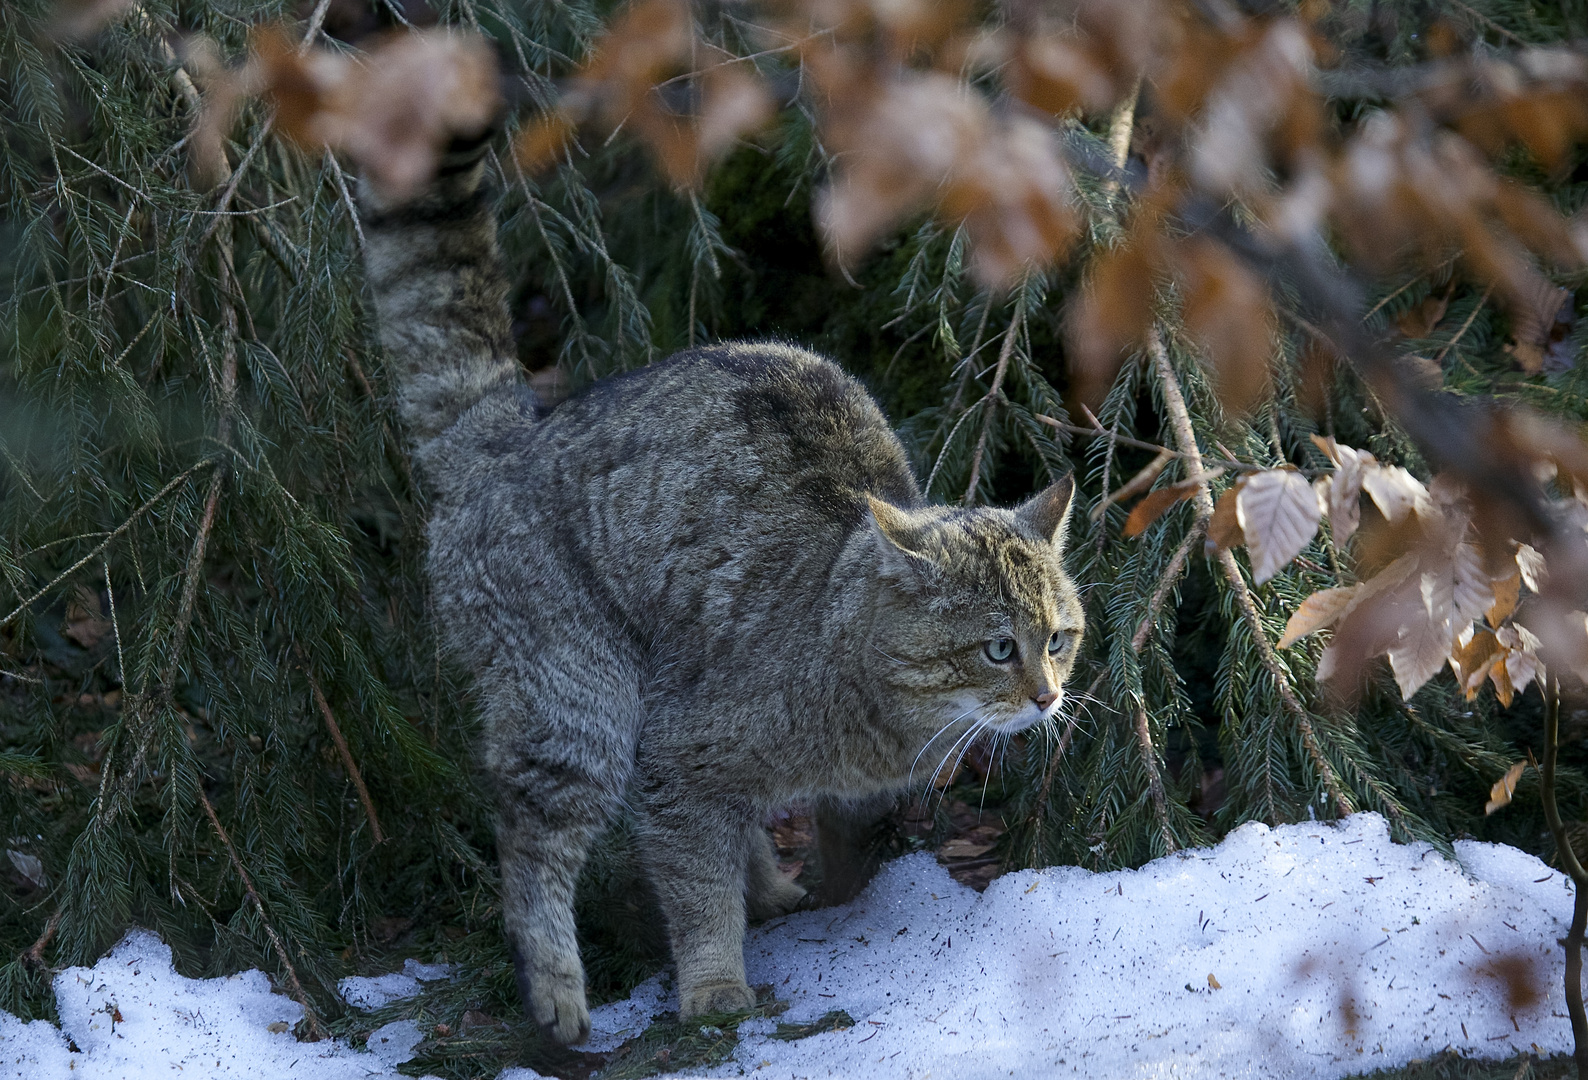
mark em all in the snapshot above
pixel 1289 287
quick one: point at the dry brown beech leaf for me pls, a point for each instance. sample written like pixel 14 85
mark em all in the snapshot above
pixel 543 141
pixel 1506 593
pixel 1372 621
pixel 1278 514
pixel 1316 612
pixel 1151 508
pixel 1531 566
pixel 1426 635
pixel 1395 491
pixel 1227 311
pixel 1136 484
pixel 392 111
pixel 1474 593
pixel 1505 787
pixel 1224 527
pixel 1473 660
pixel 1112 313
pixel 894 150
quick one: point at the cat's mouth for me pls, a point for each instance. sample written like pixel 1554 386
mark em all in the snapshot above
pixel 1026 715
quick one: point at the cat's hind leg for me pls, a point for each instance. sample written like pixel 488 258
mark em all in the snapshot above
pixel 561 747
pixel 767 892
pixel 696 849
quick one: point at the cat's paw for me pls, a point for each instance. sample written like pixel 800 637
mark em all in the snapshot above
pixel 774 899
pixel 556 1002
pixel 714 998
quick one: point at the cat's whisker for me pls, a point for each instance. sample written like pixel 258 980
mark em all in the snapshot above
pixel 933 739
pixel 964 743
pixel 965 737
pixel 1000 743
pixel 895 659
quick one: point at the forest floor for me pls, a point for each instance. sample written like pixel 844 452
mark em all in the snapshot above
pixel 1309 950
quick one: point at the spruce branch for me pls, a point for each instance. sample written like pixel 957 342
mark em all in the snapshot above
pixel 341 747
pixel 1166 583
pixel 992 398
pixel 110 538
pixel 1185 436
pixel 294 985
pixel 1149 761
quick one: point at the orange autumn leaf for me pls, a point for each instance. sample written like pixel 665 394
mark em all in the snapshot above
pixel 1504 788
pixel 1227 311
pixel 1316 612
pixel 1224 527
pixel 394 112
pixel 1151 508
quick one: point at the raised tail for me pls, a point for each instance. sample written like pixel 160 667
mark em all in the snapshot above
pixel 441 300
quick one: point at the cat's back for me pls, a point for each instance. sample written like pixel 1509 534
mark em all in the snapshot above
pixel 705 485
pixel 785 421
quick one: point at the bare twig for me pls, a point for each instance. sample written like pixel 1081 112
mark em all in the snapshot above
pixel 1155 792
pixel 294 985
pixel 1121 126
pixel 1140 444
pixel 1185 436
pixel 1573 941
pixel 33 956
pixel 171 485
pixel 1166 583
pixel 1451 344
pixel 346 197
pixel 342 750
pixel 992 397
pixel 316 20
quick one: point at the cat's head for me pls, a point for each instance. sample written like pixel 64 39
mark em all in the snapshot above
pixel 978 621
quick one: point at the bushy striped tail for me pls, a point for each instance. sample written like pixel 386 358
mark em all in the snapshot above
pixel 441 299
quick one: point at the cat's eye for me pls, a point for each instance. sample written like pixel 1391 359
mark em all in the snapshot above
pixel 1000 650
pixel 1057 642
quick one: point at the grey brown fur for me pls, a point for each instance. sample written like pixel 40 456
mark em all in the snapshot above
pixel 707 588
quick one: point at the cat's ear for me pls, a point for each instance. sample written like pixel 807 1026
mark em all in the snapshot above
pixel 904 536
pixel 1046 513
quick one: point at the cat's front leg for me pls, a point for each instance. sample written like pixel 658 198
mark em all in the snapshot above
pixel 696 850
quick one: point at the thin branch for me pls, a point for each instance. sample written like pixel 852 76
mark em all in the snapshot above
pixel 1166 583
pixel 1149 761
pixel 992 397
pixel 1451 344
pixel 1125 440
pixel 33 956
pixel 1185 435
pixel 1573 941
pixel 342 750
pixel 170 486
pixel 346 197
pixel 1121 126
pixel 294 985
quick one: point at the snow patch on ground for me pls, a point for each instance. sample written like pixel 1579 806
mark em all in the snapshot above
pixel 131 1017
pixel 369 992
pixel 613 1024
pixel 1333 951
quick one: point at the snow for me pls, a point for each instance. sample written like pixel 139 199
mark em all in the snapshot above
pixel 1305 951
pixel 132 1017
pixel 372 992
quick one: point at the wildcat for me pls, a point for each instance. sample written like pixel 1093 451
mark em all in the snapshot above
pixel 706 588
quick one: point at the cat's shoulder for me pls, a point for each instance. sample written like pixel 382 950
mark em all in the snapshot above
pixel 763 382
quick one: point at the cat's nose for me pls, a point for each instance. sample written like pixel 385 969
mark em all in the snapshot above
pixel 1045 699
